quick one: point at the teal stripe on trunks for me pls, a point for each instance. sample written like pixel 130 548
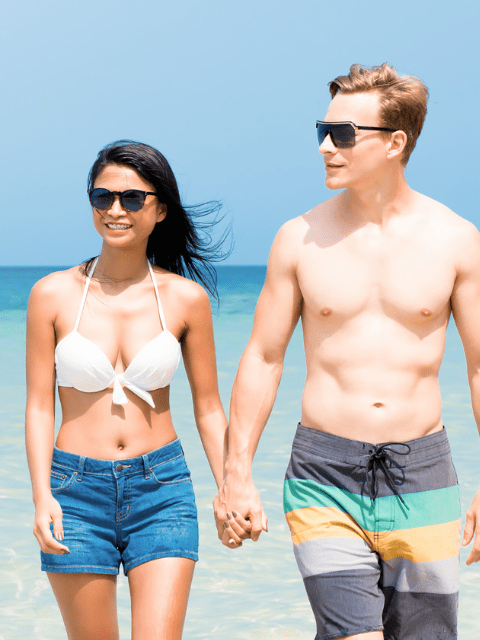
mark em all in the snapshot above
pixel 421 509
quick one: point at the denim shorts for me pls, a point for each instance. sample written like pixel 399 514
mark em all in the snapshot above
pixel 123 511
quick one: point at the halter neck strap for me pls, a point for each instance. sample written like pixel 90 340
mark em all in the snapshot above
pixel 85 291
pixel 87 285
pixel 160 310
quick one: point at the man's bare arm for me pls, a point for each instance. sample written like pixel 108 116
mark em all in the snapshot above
pixel 256 383
pixel 466 311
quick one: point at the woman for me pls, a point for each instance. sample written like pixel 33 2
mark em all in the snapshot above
pixel 111 332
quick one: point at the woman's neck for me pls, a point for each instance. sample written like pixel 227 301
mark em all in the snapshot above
pixel 121 266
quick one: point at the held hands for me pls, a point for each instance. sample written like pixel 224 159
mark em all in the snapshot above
pixel 247 521
pixel 48 511
pixel 236 529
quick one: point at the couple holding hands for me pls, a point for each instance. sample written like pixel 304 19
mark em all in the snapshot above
pixel 370 493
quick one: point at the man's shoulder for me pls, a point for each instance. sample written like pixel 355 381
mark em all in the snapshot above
pixel 447 221
pixel 459 237
pixel 296 228
pixel 290 239
pixel 293 226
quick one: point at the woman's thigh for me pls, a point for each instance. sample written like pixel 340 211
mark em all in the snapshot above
pixel 88 604
pixel 159 592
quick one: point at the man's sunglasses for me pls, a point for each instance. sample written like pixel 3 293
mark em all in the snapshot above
pixel 131 200
pixel 342 133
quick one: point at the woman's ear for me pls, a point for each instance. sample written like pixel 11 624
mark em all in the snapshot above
pixel 161 212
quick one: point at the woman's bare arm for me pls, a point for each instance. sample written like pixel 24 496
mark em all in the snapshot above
pixel 40 412
pixel 199 357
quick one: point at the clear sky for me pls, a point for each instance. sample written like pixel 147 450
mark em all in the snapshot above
pixel 228 91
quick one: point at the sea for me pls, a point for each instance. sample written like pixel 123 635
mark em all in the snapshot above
pixel 254 592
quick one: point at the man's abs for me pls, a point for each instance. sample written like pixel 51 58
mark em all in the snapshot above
pixel 369 415
pixel 373 379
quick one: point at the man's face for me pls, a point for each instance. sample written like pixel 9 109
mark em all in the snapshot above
pixel 363 165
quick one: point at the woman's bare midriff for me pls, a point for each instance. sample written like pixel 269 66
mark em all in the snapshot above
pixel 93 426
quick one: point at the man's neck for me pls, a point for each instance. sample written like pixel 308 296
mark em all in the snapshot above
pixel 379 201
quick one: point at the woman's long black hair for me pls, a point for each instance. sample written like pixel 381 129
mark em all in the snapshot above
pixel 181 242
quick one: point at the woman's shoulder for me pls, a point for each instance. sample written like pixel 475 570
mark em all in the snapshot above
pixel 55 286
pixel 181 287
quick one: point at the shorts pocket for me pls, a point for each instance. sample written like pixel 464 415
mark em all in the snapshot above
pixel 173 471
pixel 61 479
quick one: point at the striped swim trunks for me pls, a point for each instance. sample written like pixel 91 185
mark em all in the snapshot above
pixel 376 534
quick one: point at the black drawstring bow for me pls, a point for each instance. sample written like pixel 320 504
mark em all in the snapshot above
pixel 377 461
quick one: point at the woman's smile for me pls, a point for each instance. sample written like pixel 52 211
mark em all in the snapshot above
pixel 117 226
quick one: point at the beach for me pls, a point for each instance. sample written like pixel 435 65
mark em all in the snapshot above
pixel 252 592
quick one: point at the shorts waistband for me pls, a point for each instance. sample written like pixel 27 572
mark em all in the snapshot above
pixel 324 444
pixel 124 466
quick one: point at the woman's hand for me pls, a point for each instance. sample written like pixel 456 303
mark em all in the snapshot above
pixel 48 511
pixel 236 530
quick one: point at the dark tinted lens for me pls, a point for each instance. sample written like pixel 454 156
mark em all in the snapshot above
pixel 322 131
pixel 101 198
pixel 343 136
pixel 132 200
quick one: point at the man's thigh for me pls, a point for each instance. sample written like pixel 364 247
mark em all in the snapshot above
pixel 328 519
pixel 420 554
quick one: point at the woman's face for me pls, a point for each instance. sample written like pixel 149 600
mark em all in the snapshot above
pixel 117 226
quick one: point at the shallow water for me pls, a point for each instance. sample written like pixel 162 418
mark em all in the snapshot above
pixel 254 592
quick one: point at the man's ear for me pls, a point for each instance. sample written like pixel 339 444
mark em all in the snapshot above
pixel 396 144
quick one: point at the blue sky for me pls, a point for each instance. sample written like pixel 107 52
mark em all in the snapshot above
pixel 229 92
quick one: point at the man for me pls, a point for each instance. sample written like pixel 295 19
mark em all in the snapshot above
pixel 370 494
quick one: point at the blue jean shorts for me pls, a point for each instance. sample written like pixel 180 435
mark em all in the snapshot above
pixel 123 511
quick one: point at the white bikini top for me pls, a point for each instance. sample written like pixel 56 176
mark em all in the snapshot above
pixel 81 364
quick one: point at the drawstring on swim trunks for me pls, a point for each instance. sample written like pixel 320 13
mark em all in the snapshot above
pixel 378 459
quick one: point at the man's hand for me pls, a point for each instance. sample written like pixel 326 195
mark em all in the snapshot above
pixel 472 526
pixel 238 513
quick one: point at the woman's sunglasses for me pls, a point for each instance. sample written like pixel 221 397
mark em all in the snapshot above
pixel 342 134
pixel 131 200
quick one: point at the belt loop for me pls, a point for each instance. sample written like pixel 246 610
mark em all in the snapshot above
pixel 146 466
pixel 81 465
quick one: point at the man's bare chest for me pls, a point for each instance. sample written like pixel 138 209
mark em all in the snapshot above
pixel 406 281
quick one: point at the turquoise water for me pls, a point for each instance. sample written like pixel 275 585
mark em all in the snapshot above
pixel 254 592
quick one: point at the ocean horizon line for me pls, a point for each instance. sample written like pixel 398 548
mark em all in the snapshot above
pixel 69 266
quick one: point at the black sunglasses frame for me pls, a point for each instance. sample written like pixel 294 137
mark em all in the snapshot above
pixel 122 195
pixel 329 129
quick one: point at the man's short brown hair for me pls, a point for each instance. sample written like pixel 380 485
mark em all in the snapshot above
pixel 403 99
